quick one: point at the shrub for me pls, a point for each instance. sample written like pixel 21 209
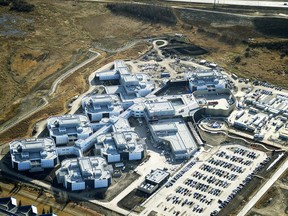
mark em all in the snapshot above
pixel 5 2
pixel 237 59
pixel 21 6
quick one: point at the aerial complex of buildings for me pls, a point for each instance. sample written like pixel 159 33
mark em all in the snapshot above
pixel 169 114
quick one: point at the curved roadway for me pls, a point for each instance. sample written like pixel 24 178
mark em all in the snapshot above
pixel 52 90
pixel 69 72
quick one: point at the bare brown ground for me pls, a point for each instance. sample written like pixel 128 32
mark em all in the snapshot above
pixel 274 201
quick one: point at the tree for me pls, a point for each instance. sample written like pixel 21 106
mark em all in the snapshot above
pixel 21 6
pixel 238 59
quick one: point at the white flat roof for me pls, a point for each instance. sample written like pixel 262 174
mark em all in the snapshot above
pixel 31 149
pixel 180 138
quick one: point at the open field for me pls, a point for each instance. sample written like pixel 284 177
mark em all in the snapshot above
pixel 274 202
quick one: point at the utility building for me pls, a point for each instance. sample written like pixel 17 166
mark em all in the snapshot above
pixel 154 180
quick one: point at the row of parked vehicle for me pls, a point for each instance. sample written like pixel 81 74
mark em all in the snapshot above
pixel 246 153
pixel 266 92
pixel 222 204
pixel 178 201
pixel 228 165
pixel 268 85
pixel 180 173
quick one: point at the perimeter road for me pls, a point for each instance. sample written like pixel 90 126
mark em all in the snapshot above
pixel 263 190
pixel 240 2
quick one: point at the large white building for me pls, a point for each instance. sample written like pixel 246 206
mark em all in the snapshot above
pixel 209 80
pixel 84 173
pixel 33 154
pixel 176 135
pixel 131 86
pixel 119 146
pixel 97 107
pixel 156 109
pixel 69 128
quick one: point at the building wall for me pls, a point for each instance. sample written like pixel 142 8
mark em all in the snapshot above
pixel 145 190
pixel 218 112
pixel 193 88
pixel 137 113
pixel 47 163
pixel 24 166
pixel 135 156
pixel 61 139
pixel 68 150
pixel 179 156
pixel 67 184
pixel 109 77
pixel 113 158
pixel 95 116
pixel 100 183
pixel 78 186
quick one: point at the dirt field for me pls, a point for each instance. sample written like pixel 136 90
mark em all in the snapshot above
pixel 274 202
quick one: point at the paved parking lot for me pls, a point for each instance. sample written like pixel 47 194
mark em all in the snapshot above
pixel 203 187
